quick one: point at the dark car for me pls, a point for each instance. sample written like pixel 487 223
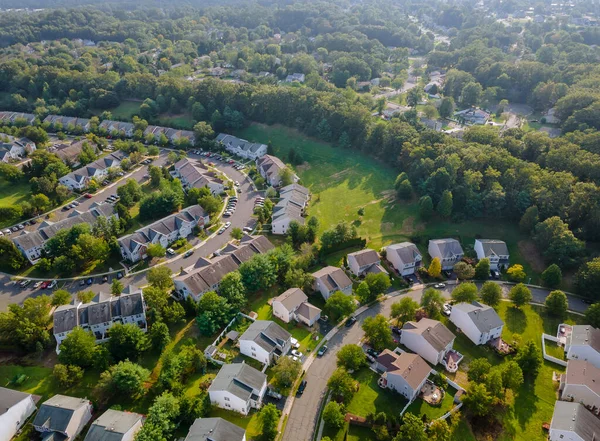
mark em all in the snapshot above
pixel 351 320
pixel 322 350
pixel 104 279
pixel 273 394
pixel 119 275
pixel 372 352
pixel 301 388
pixel 89 281
pixel 396 330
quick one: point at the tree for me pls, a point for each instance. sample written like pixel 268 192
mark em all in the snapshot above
pixel 587 280
pixel 378 284
pixel 425 208
pixel 342 385
pixel 78 348
pixel 269 417
pixel 413 97
pixel 61 297
pixel 116 287
pixel 552 276
pixel 378 332
pixel 491 293
pixel 439 430
pixel 364 293
pixel 155 250
pixel 26 326
pixel 592 315
pixel 126 378
pixel 520 295
pixel 478 370
pixel 67 375
pixel 333 415
pixel 258 273
pixel 405 190
pixel 159 336
pixel 530 219
pixel 339 305
pixel 482 269
pixel 404 310
pixel 512 375
pixel 233 290
pixel 11 258
pixel 465 293
pixel 286 371
pixel 478 400
pixel 236 233
pixel 203 132
pixel 160 277
pixel 444 206
pixel 351 357
pixel 529 359
pixel 446 107
pixel 412 429
pixel 557 242
pixel 471 94
pixel 435 268
pixel 516 273
pixel 161 421
pixel 127 341
pixel 155 175
pixel 464 271
pixel 432 302
pixel 557 303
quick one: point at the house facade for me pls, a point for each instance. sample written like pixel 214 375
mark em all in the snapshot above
pixel 265 341
pixel 121 128
pixel 194 174
pixel 494 250
pixel 8 117
pixel 293 305
pixel 16 409
pixel 115 425
pixel 79 179
pixel 68 123
pixel 238 387
pixel 481 323
pixel 62 417
pixel 573 422
pixel 584 344
pixel 241 147
pixel 164 232
pixel 365 261
pixel 404 373
pixel 331 279
pixel 270 168
pixel 13 149
pixel 405 257
pixel 448 251
pixel 581 384
pixel 429 338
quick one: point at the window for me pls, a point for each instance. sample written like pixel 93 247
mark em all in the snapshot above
pixel 227 399
pixel 227 405
pixel 254 354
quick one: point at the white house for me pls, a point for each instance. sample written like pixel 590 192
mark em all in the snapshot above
pixel 448 251
pixel 265 341
pixel 481 323
pixel 100 315
pixel 163 232
pixel 581 384
pixel 98 170
pixel 293 305
pixel 299 77
pixel 62 418
pixel 238 387
pixel 241 147
pixel 331 279
pixel 115 425
pixel 14 149
pixel 405 257
pixel 584 344
pixel 473 115
pixel 270 168
pixel 68 122
pixel 122 128
pixel 194 174
pixel 365 261
pixel 404 373
pixel 573 422
pixel 206 274
pixel 215 429
pixel 16 408
pixel 283 214
pixel 494 250
pixel 429 338
pixel 295 194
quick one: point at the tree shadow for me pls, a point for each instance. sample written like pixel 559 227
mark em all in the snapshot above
pixel 525 403
pixel 516 320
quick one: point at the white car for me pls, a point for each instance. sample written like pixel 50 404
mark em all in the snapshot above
pixel 171 251
pixel 296 353
pixel 447 309
pixel 293 357
pixel 295 343
pixel 52 284
pixel 227 225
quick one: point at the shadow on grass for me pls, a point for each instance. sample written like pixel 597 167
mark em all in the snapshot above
pixel 525 403
pixel 516 320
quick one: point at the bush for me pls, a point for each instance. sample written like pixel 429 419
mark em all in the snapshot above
pixel 67 375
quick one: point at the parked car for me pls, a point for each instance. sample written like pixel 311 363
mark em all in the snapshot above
pixel 439 285
pixel 89 281
pixel 297 353
pixel 82 282
pixel 15 229
pixel 351 320
pixel 396 330
pixel 227 214
pixel 372 352
pixel 36 285
pixel 247 229
pixel 7 231
pixel 301 387
pixel 227 225
pixel 52 284
pixel 44 285
pixel 170 251
pixel 24 283
pixel 21 227
pixel 188 253
pixel 104 279
pixel 322 350
pixel 119 275
pixel 294 343
pixel 76 203
pixel 324 318
pixel 275 395
pixel 447 309
pixel 87 196
pixel 293 357
pixel 495 274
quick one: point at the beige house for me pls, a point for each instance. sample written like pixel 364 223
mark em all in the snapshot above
pixel 331 279
pixel 404 373
pixel 365 261
pixel 293 305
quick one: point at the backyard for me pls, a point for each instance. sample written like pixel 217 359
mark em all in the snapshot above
pixel 11 194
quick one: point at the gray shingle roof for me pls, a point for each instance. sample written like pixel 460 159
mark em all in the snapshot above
pixel 492 247
pixel 9 397
pixel 586 335
pixel 292 298
pixel 56 413
pixel 131 304
pixel 365 257
pixel 308 311
pixel 482 316
pixel 434 332
pixel 333 278
pixel 65 318
pixel 237 143
pixel 214 429
pixel 406 251
pixel 448 247
pixel 574 417
pixel 238 379
pixel 112 425
pixel 267 334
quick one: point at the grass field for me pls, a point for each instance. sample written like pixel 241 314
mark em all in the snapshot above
pixel 124 111
pixel 370 398
pixel 342 181
pixel 12 193
pixel 181 121
pixel 420 407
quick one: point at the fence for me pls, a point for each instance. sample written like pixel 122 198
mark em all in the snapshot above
pixel 221 336
pixel 558 361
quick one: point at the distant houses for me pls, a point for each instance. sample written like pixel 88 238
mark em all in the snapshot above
pixel 330 279
pixel 290 207
pixel 117 127
pixel 172 135
pixel 479 322
pixel 69 153
pixel 298 77
pixel 62 417
pixel 448 251
pixel 16 409
pixel 265 341
pixel 15 149
pixel 365 261
pixel 68 123
pixel 238 387
pixel 473 116
pixel 80 179
pixel 405 257
pixel 241 147
pixel 8 117
pixel 194 174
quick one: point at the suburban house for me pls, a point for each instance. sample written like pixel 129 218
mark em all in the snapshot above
pixel 404 373
pixel 16 408
pixel 115 425
pixel 573 422
pixel 473 116
pixel 206 274
pixel 365 261
pixel 100 315
pixel 584 344
pixel 265 341
pixel 122 128
pixel 299 77
pixel 12 117
pixel 296 194
pixel 283 214
pixel 62 418
pixel 194 174
pixel 69 153
pixel 270 168
pixel 481 323
pixel 448 251
pixel 293 305
pixel 238 387
pixel 98 170
pixel 163 232
pixel 13 149
pixel 175 135
pixel 405 257
pixel 215 429
pixel 494 250
pixel 331 279
pixel 581 384
pixel 68 123
pixel 31 244
pixel 241 147
pixel 429 338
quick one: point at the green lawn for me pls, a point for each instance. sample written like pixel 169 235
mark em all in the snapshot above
pixel 251 422
pixel 124 111
pixel 420 407
pixel 554 350
pixel 370 398
pixel 181 121
pixel 11 194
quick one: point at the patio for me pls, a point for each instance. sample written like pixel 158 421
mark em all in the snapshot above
pixel 432 394
pixel 451 360
pixel 501 346
pixel 563 333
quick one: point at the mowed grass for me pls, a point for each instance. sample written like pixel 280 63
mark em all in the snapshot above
pixel 370 398
pixel 181 121
pixel 251 422
pixel 125 110
pixel 420 407
pixel 11 194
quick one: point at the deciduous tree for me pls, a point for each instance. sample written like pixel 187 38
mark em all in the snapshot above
pixel 404 310
pixel 491 293
pixel 529 359
pixel 552 276
pixel 557 303
pixel 339 305
pixel 520 295
pixel 351 357
pixel 464 271
pixel 378 332
pixel 342 385
pixel 78 348
pixel 432 302
pixel 333 415
pixel 482 269
pixel 465 293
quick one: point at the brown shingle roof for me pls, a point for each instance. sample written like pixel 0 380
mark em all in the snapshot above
pixel 434 332
pixel 410 366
